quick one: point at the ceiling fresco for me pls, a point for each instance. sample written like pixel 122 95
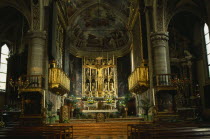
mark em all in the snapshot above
pixel 122 6
pixel 98 28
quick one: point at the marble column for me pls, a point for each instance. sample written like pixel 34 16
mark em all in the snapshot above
pixel 36 52
pixel 160 43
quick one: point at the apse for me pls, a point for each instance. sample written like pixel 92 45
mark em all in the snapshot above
pixel 98 27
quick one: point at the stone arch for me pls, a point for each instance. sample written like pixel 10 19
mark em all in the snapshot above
pixel 23 10
pixel 194 9
pixel 16 22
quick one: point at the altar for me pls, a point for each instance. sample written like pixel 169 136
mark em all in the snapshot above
pixel 97 111
pixel 100 105
pixel 100 114
pixel 99 85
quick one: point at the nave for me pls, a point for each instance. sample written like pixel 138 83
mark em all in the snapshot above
pixel 111 129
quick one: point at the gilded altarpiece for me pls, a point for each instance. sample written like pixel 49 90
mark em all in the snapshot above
pixel 99 77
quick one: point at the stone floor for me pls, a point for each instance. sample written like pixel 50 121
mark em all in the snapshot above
pixel 112 129
pixel 101 137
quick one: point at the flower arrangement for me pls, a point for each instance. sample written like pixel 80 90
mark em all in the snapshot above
pixel 2 124
pixel 108 99
pixel 90 100
pixel 122 103
pixel 84 98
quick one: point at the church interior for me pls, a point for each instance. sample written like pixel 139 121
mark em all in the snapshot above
pixel 104 69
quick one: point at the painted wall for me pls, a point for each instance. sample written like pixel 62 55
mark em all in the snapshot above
pixel 123 72
pixel 75 71
pixel 136 45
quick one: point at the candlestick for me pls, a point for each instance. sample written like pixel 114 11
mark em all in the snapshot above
pixel 44 98
pixel 107 58
pixel 153 92
pixel 113 60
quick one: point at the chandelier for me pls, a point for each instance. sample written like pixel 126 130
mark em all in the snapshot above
pixel 19 83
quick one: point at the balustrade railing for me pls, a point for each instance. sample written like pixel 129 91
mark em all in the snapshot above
pixel 139 77
pixel 58 79
pixel 165 79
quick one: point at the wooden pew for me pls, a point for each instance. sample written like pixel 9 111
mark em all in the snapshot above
pixel 167 131
pixel 45 132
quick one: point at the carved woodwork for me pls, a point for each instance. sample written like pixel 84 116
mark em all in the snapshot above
pixel 139 80
pixel 59 82
pixel 99 77
pixel 65 113
pixel 100 117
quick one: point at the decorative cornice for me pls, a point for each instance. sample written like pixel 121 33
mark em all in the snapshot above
pixel 159 36
pixel 37 34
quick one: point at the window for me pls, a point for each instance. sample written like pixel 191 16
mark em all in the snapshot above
pixel 3 67
pixel 207 42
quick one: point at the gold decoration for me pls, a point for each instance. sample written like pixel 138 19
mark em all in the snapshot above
pixel 100 117
pixel 59 82
pixel 28 83
pixel 99 77
pixel 139 79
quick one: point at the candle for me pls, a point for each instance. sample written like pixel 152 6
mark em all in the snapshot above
pixel 44 98
pixel 84 61
pixel 113 60
pixel 153 91
pixel 107 58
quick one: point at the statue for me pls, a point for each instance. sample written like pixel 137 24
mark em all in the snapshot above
pixel 87 86
pixel 105 86
pixel 93 86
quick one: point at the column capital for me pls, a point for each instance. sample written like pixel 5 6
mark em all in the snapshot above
pixel 37 34
pixel 159 36
pixel 159 39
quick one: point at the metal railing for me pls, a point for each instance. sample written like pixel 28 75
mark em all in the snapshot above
pixel 28 81
pixel 165 79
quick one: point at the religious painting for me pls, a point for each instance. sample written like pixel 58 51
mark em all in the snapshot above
pixel 74 5
pixel 122 5
pixel 136 44
pixel 75 67
pixel 123 72
pixel 98 28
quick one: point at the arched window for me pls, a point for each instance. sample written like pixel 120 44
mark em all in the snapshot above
pixel 3 67
pixel 207 42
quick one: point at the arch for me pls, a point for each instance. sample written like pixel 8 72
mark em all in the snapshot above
pixel 14 22
pixel 22 10
pixel 207 46
pixel 4 54
pixel 7 42
pixel 184 8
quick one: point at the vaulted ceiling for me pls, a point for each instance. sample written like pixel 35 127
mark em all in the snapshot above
pixel 14 20
pixel 99 25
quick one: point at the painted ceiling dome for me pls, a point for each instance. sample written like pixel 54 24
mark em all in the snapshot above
pixel 98 27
